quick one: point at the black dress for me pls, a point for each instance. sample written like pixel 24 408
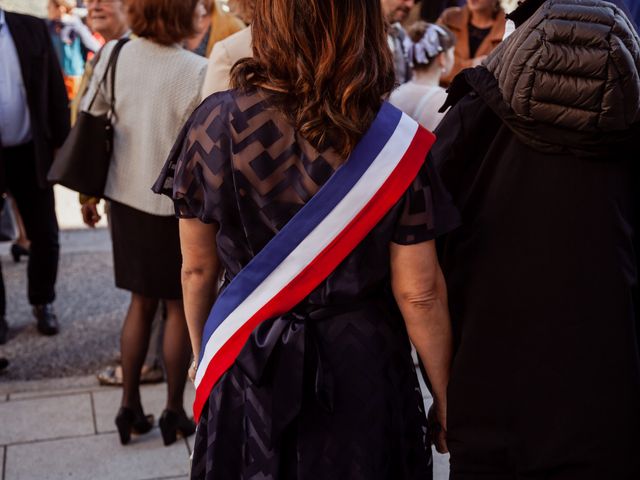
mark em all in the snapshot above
pixel 328 391
pixel 543 294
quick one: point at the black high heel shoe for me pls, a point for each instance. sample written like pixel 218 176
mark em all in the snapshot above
pixel 174 423
pixel 129 422
pixel 18 251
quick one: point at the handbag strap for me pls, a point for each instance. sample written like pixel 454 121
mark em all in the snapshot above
pixel 111 68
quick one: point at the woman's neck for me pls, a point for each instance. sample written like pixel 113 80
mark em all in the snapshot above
pixel 482 18
pixel 427 76
pixel 114 34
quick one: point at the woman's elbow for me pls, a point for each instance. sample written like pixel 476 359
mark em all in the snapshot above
pixel 198 273
pixel 423 300
pixel 425 295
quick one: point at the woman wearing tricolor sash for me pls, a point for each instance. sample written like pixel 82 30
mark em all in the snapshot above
pixel 317 201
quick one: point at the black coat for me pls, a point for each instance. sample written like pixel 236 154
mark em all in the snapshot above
pixel 543 274
pixel 46 93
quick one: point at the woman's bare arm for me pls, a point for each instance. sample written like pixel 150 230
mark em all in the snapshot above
pixel 200 273
pixel 420 290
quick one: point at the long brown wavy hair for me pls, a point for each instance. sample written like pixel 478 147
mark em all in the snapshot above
pixel 326 64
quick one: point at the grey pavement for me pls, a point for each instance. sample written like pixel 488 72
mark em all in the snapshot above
pixel 89 307
pixel 56 422
pixel 69 433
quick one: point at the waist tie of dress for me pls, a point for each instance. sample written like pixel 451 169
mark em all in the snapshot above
pixel 281 351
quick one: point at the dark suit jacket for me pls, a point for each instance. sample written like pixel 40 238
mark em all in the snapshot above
pixel 46 93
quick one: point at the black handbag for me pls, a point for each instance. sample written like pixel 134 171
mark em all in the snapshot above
pixel 82 163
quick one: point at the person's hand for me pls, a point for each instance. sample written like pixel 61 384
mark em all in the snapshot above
pixel 478 60
pixel 90 215
pixel 192 371
pixel 437 422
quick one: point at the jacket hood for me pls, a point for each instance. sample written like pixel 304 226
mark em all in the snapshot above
pixel 567 79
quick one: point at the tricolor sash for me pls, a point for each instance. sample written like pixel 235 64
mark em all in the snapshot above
pixel 314 242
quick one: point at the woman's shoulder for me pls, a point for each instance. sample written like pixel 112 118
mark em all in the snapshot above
pixel 194 60
pixel 103 55
pixel 234 102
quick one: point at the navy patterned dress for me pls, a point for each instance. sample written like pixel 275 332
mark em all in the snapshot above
pixel 329 390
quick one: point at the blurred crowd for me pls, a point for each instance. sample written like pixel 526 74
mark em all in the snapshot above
pixel 160 58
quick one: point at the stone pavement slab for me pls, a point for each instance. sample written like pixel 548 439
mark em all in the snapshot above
pixel 48 393
pixel 47 418
pixel 98 457
pixel 47 387
pixel 107 400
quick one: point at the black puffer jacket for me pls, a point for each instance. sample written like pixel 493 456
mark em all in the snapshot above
pixel 568 79
pixel 540 154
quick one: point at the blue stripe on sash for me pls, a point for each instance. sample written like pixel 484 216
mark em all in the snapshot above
pixel 306 220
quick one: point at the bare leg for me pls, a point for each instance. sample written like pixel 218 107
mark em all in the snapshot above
pixel 134 343
pixel 177 354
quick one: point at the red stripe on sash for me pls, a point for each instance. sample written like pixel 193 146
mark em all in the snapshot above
pixel 322 266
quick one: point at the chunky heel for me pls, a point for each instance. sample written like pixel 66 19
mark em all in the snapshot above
pixel 173 424
pixel 124 427
pixel 169 431
pixel 128 422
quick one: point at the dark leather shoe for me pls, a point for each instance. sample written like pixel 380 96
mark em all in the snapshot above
pixel 47 320
pixel 4 330
pixel 4 363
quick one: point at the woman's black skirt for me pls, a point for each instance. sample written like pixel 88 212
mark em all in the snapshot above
pixel 146 252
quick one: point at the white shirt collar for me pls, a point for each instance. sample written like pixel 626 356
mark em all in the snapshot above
pixel 2 21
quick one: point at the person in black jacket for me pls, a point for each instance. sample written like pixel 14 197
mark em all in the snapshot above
pixel 540 153
pixel 34 121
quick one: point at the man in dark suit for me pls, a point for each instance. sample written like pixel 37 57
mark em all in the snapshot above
pixel 34 121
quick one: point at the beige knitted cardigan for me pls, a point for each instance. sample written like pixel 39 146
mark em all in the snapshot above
pixel 157 87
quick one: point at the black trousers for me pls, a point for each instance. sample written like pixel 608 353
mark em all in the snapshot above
pixel 37 208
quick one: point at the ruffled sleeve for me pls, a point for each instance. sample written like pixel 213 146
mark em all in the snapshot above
pixel 197 174
pixel 427 210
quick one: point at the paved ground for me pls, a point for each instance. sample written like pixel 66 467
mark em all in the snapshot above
pixel 55 421
pixel 68 433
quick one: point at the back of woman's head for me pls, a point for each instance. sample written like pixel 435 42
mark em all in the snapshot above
pixel 162 21
pixel 426 41
pixel 326 64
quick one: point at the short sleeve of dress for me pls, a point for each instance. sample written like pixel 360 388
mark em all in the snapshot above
pixel 197 174
pixel 426 209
